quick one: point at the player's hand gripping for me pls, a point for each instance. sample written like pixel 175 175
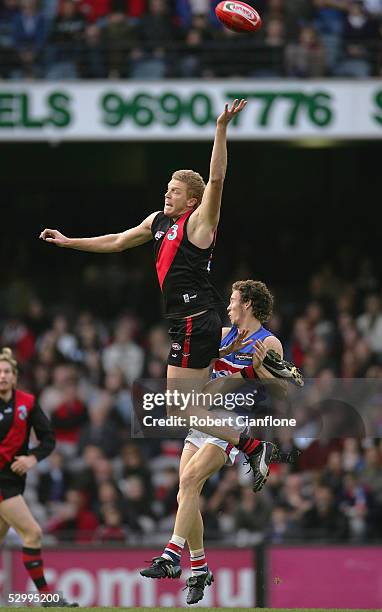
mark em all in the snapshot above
pixel 54 236
pixel 230 112
pixel 259 354
pixel 239 343
pixel 23 463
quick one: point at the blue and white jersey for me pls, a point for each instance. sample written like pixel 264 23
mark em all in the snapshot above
pixel 236 361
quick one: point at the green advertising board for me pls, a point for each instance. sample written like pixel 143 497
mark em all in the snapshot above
pixel 187 110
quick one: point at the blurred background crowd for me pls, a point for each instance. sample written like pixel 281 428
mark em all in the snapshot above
pixel 148 39
pixel 102 485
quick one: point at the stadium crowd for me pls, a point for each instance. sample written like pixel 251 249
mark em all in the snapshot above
pixel 148 39
pixel 103 485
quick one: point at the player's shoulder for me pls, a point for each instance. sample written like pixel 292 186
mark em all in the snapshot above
pixel 272 342
pixel 225 331
pixel 23 396
pixel 149 220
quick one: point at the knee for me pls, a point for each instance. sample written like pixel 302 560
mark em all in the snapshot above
pixel 189 481
pixel 32 536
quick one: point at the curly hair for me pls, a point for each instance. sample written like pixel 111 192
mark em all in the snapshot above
pixel 258 294
pixel 6 354
pixel 194 181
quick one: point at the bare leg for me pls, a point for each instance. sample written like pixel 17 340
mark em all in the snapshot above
pixel 16 514
pixel 3 529
pixel 195 538
pixel 188 380
pixel 208 460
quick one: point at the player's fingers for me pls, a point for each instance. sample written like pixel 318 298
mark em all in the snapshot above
pixel 233 105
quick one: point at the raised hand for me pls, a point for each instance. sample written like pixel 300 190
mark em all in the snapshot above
pixel 54 236
pixel 236 345
pixel 230 112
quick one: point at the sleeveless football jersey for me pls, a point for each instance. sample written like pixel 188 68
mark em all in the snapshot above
pixel 236 361
pixel 182 268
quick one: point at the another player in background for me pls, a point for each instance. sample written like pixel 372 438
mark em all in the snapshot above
pixel 244 349
pixel 19 413
pixel 184 238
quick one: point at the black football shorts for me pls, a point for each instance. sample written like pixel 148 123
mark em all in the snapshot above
pixel 10 488
pixel 195 341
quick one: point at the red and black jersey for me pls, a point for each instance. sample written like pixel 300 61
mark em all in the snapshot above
pixel 17 417
pixel 183 268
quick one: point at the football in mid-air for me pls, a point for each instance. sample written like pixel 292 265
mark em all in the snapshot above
pixel 238 16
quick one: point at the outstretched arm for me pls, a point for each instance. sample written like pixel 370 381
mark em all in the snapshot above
pixel 207 214
pixel 110 243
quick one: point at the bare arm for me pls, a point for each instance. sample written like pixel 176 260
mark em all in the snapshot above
pixel 109 243
pixel 204 221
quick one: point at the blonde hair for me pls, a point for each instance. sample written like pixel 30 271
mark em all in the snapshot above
pixel 194 181
pixel 6 354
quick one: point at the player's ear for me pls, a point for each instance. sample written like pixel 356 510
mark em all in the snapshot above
pixel 192 202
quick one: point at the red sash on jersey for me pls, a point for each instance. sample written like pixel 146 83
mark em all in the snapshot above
pixel 169 247
pixel 15 437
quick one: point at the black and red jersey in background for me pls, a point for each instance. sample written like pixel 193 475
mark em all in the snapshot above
pixel 17 417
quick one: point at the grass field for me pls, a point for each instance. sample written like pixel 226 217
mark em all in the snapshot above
pixel 203 609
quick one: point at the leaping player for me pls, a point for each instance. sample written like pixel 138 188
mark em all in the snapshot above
pixel 244 353
pixel 184 237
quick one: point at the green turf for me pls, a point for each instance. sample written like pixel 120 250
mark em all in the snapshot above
pixel 203 609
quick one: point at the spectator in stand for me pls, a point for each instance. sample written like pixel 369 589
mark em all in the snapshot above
pixel 136 8
pixel 93 65
pixel 54 483
pixel 356 503
pixel 137 511
pixel 133 464
pixel 66 341
pixel 17 336
pixel 371 473
pixel 268 61
pixel 66 42
pixel 370 324
pixel 104 428
pixel 186 10
pixel 252 514
pixel 67 410
pixel 112 529
pixel 156 34
pixel 29 35
pixel 8 11
pixel 306 58
pixel 325 520
pixel 297 14
pixel 373 8
pixel 124 352
pixel 120 39
pixel 333 474
pixel 94 10
pixel 329 20
pixel 359 36
pixel 120 395
pixel 282 528
pixel 74 521
pixel 352 459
